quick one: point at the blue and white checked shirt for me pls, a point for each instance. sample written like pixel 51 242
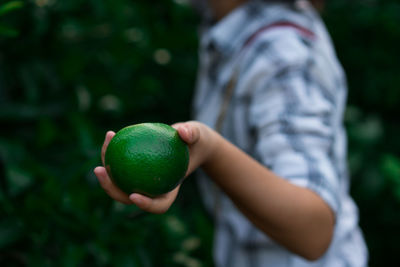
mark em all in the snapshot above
pixel 286 112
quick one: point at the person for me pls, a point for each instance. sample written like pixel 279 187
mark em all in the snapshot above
pixel 268 138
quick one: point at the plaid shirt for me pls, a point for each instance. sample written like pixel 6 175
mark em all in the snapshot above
pixel 286 112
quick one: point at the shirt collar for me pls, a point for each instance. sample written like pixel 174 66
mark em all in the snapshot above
pixel 224 34
pixel 232 31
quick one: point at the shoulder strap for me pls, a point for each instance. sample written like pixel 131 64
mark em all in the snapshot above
pixel 232 81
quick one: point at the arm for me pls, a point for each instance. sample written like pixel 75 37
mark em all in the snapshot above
pixel 293 216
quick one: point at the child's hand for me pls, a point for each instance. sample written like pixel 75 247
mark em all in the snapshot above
pixel 158 204
pixel 200 141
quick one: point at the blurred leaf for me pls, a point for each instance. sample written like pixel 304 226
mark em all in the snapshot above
pixel 7 31
pixel 46 132
pixel 73 255
pixel 18 180
pixel 10 6
pixel 10 232
pixel 391 170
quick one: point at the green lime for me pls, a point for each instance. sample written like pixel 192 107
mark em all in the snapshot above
pixel 147 158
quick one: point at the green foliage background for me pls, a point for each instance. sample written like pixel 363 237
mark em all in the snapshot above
pixel 70 70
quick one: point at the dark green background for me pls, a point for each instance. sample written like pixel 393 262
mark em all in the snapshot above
pixel 78 68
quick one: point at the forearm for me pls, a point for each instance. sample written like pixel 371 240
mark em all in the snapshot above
pixel 293 216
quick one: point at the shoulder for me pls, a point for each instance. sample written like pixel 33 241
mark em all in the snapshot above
pixel 274 50
pixel 284 44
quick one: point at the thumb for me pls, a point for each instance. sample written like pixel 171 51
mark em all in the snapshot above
pixel 189 132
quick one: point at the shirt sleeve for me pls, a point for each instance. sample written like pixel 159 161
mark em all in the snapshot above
pixel 293 118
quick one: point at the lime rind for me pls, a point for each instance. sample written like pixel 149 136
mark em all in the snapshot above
pixel 147 158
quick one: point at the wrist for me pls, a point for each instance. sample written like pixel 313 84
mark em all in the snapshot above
pixel 211 142
pixel 203 144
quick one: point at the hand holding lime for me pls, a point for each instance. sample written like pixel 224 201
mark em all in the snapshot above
pixel 147 158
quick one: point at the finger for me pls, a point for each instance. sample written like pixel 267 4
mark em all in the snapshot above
pixel 143 202
pixel 180 128
pixel 108 186
pixel 194 132
pixel 176 125
pixel 109 136
pixel 156 205
pixel 189 133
